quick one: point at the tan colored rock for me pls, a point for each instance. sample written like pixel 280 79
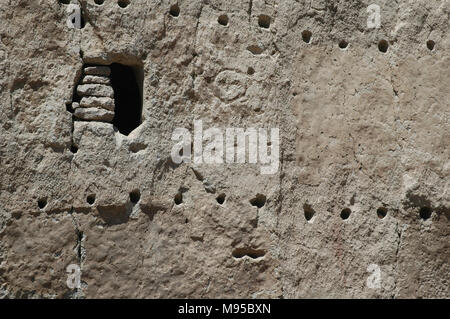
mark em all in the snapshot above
pixel 93 79
pixel 100 102
pixel 362 186
pixel 95 90
pixel 97 70
pixel 94 114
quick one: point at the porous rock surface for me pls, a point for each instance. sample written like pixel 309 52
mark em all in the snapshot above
pixel 360 129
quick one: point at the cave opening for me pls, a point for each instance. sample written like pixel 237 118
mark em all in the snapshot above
pixel 127 83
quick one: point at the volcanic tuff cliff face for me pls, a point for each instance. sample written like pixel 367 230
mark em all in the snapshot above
pixel 363 182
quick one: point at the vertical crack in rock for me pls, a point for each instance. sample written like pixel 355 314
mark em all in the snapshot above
pixel 196 26
pixel 280 195
pixel 80 252
pixel 80 248
pixel 399 232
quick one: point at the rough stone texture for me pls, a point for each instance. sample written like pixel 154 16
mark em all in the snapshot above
pixel 95 79
pixel 98 70
pixel 95 90
pixel 102 102
pixel 93 114
pixel 360 129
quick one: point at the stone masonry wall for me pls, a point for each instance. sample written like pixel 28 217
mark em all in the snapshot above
pixel 363 180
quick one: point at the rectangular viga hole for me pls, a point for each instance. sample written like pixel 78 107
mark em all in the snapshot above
pixel 249 252
pixel 127 83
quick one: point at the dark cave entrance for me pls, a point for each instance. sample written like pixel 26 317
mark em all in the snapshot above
pixel 127 83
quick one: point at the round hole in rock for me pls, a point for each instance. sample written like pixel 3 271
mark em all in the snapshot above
pixel 383 46
pixel 64 1
pixel 308 211
pixel 343 44
pixel 264 21
pixel 127 83
pixel 180 152
pixel 221 198
pixel 259 200
pixel 306 36
pixel 425 213
pixel 178 199
pixel 123 3
pixel 430 45
pixel 381 212
pixel 42 202
pixel 99 2
pixel 90 199
pixel 345 213
pixel 174 10
pixel 223 20
pixel 250 71
pixel 73 149
pixel 135 196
